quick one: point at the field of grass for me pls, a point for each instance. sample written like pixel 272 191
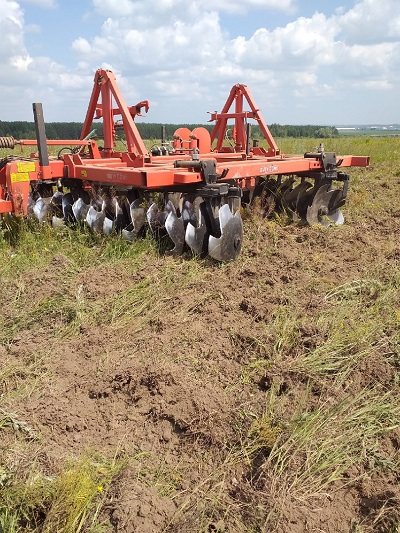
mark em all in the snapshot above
pixel 370 133
pixel 140 392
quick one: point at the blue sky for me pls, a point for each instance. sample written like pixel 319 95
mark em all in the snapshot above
pixel 305 61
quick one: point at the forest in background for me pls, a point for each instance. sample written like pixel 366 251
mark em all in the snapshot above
pixel 72 130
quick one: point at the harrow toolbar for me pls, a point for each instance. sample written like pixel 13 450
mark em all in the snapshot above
pixel 190 189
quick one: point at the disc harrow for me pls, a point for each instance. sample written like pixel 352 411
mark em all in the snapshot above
pixel 190 190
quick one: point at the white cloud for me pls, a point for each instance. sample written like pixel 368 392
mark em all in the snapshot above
pixel 178 42
pixel 25 77
pixel 114 8
pixel 11 11
pixel 41 3
pixel 241 6
pixel 125 8
pixel 371 22
pixel 82 46
pixel 11 30
pixel 307 41
pixel 21 63
pixel 181 51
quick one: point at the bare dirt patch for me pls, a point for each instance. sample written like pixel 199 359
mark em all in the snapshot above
pixel 191 372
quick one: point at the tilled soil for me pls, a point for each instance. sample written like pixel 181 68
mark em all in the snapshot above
pixel 173 386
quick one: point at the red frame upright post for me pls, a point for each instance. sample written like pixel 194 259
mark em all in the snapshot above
pixel 238 94
pixel 105 86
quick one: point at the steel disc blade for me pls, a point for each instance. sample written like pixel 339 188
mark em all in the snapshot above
pixel 320 206
pixel 152 216
pixel 283 190
pixel 224 216
pixel 40 209
pixel 227 247
pixel 108 207
pixel 121 220
pixel 291 196
pixel 155 218
pixel 108 226
pixel 319 220
pixel 112 211
pixel 80 210
pixel 57 222
pixel 138 217
pixel 56 199
pixel 189 214
pixel 176 231
pixel 304 198
pixel 136 203
pixel 56 204
pixel 128 235
pixel 336 217
pixel 97 203
pixel 67 203
pixel 85 196
pixel 95 219
pixel 195 238
pixel 336 199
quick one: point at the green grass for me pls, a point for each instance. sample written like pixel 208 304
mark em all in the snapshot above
pixel 22 378
pixel 359 322
pixel 321 444
pixel 380 149
pixel 69 501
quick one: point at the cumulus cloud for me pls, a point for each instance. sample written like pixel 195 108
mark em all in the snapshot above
pixel 309 55
pixel 241 6
pixel 11 31
pixel 113 8
pixel 177 43
pixel 180 51
pixel 41 3
pixel 21 63
pixel 370 22
pixel 305 42
pixel 26 77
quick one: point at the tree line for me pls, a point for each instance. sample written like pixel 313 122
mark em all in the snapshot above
pixel 72 130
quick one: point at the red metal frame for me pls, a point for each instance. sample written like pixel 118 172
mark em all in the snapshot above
pixel 137 168
pixel 105 86
pixel 239 93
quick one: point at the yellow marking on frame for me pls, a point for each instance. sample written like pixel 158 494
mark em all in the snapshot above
pixel 83 173
pixel 26 167
pixel 17 177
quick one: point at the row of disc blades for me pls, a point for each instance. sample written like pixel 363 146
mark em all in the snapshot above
pixel 206 226
pixel 314 204
pixel 188 223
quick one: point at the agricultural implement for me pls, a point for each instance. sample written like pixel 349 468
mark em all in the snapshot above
pixel 190 189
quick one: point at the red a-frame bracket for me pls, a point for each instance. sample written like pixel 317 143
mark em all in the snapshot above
pixel 238 94
pixel 105 86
